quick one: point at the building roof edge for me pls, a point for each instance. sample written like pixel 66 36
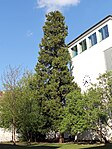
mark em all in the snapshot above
pixel 106 18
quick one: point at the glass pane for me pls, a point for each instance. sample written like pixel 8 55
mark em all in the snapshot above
pixel 94 39
pixel 84 46
pixel 74 51
pixel 106 31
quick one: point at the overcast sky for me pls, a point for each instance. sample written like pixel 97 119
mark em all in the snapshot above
pixel 21 24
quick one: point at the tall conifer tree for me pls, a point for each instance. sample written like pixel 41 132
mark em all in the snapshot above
pixel 54 80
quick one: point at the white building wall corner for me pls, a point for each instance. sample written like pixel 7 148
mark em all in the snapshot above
pixel 92 61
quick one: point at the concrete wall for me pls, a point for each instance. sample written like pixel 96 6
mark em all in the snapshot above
pixel 6 135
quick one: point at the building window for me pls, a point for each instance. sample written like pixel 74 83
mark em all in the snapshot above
pixel 104 33
pixel 92 40
pixel 74 51
pixel 83 45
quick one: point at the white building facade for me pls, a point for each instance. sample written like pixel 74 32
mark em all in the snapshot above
pixel 91 53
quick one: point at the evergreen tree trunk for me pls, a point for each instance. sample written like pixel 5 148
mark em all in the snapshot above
pixel 61 138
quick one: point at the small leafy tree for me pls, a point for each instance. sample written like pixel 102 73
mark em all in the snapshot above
pixel 9 103
pixel 30 119
pixel 95 111
pixel 81 112
pixel 104 87
pixel 19 109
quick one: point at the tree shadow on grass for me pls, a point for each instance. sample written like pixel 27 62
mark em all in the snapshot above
pixel 9 146
pixel 106 146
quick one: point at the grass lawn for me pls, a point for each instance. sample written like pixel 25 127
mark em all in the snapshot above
pixel 54 146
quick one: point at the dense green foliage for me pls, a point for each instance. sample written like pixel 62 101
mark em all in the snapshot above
pixel 90 110
pixel 54 80
pixel 30 119
pixel 81 112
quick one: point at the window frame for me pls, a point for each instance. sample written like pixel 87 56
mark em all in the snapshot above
pixel 92 39
pixel 103 32
pixel 74 51
pixel 83 45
